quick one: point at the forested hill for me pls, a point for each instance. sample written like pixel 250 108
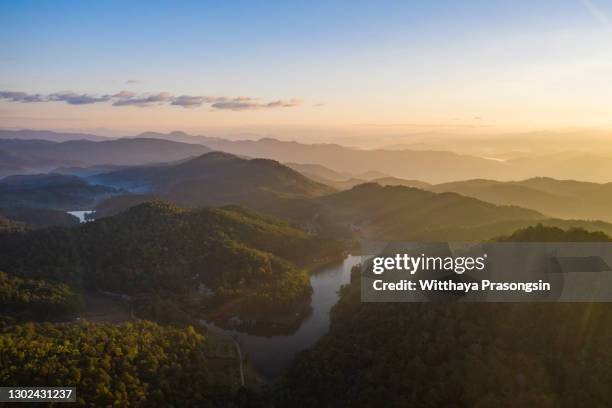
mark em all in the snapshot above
pixel 460 355
pixel 397 212
pixel 156 250
pixel 217 179
pixel 53 191
pixel 406 213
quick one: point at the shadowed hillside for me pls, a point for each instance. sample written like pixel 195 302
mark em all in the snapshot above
pixel 54 191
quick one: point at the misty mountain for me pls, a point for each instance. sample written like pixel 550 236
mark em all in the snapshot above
pixel 396 212
pixel 573 165
pixel 340 180
pixel 394 181
pixel 13 163
pixel 48 135
pixel 54 191
pixel 568 199
pixel 38 154
pixel 216 179
pixel 557 198
pixel 435 165
pixel 316 172
pixel 403 213
pixel 383 181
pixel 88 170
pixel 432 166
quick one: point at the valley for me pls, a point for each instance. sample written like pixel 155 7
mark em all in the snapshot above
pixel 247 260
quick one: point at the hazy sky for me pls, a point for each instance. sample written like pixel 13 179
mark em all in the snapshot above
pixel 378 66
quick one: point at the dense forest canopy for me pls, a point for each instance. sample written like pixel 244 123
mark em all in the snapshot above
pixel 156 250
pixel 420 354
pixel 33 299
pixel 133 364
pixel 464 355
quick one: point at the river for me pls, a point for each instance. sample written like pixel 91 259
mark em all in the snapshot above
pixel 271 355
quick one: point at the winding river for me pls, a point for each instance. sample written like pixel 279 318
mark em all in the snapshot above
pixel 271 355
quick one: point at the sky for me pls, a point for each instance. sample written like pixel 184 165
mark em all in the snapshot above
pixel 333 68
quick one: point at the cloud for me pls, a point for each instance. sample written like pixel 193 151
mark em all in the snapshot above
pixel 77 99
pixel 145 101
pixel 68 97
pixel 129 98
pixel 283 104
pixel 124 94
pixel 133 81
pixel 21 97
pixel 245 103
pixel 187 101
pixel 234 105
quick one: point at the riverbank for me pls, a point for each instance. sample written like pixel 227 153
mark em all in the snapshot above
pixel 270 353
pixel 234 315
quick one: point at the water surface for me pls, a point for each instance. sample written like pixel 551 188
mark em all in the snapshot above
pixel 81 214
pixel 271 355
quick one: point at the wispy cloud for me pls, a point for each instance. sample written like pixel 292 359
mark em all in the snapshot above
pixel 187 101
pixel 133 81
pixel 245 103
pixel 129 98
pixel 21 97
pixel 77 99
pixel 144 101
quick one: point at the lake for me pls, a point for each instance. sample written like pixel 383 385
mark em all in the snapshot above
pixel 271 355
pixel 81 214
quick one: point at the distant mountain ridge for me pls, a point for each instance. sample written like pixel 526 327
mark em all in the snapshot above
pixel 569 199
pixel 558 198
pixel 48 135
pixel 406 213
pixel 431 166
pixel 23 156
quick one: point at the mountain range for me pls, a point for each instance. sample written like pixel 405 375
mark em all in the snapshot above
pixel 21 156
pixel 569 199
pixel 432 166
pixel 369 210
pixel 214 178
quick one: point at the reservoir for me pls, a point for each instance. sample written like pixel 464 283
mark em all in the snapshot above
pixel 81 214
pixel 271 355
